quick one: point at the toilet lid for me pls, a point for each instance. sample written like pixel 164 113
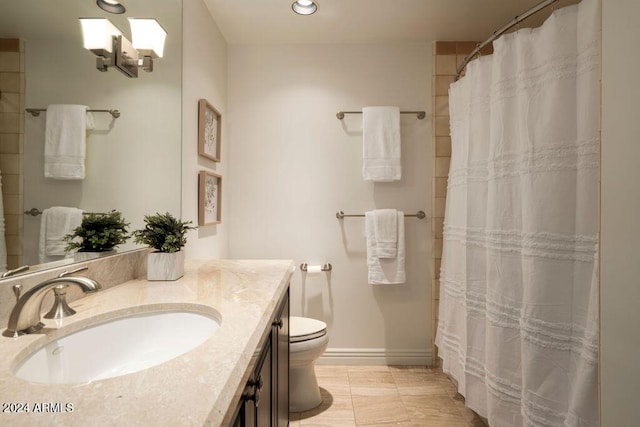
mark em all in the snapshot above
pixel 303 329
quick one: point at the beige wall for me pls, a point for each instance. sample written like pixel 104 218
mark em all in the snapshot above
pixel 294 165
pixel 204 76
pixel 620 257
pixel 11 144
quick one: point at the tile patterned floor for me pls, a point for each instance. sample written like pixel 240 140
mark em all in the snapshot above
pixel 380 396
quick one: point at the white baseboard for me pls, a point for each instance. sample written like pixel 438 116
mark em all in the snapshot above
pixel 375 356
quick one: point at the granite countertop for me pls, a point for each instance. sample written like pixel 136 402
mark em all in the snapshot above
pixel 196 388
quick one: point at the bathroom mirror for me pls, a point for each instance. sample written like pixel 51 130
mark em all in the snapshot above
pixel 133 162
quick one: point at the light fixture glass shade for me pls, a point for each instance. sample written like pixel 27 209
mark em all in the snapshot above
pixel 148 37
pixel 97 34
pixel 304 7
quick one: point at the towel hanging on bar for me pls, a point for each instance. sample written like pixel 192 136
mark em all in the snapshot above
pixel 35 112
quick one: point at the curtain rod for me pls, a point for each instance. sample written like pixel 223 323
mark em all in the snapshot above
pixel 515 21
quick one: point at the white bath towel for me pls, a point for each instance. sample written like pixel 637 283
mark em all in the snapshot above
pixel 381 144
pixel 55 223
pixel 65 141
pixel 386 231
pixel 384 270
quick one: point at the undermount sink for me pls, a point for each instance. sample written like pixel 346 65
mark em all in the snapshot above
pixel 118 347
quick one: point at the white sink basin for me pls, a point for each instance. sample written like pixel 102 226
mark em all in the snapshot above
pixel 117 347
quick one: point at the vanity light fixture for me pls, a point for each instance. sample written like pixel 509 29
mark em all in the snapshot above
pixel 111 6
pixel 148 39
pixel 304 7
pixel 112 49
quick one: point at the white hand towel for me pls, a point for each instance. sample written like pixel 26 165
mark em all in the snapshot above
pixel 380 270
pixel 386 229
pixel 65 141
pixel 54 224
pixel 381 144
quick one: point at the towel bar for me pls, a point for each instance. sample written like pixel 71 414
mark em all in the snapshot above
pixel 36 212
pixel 419 215
pixel 419 114
pixel 35 112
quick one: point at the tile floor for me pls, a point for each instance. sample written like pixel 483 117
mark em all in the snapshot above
pixel 380 396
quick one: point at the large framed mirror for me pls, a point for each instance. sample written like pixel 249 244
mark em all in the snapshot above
pixel 132 163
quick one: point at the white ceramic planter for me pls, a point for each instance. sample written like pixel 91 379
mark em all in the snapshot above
pixel 165 266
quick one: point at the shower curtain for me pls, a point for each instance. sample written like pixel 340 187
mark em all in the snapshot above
pixel 518 302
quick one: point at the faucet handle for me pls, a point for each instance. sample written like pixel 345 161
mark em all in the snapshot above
pixel 77 270
pixel 15 271
pixel 60 308
pixel 17 290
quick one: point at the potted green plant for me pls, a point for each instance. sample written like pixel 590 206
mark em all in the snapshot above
pixel 167 235
pixel 98 233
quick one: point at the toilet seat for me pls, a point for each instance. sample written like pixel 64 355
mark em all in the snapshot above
pixel 305 329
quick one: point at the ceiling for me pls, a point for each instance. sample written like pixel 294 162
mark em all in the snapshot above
pixel 273 21
pixel 367 21
pixel 39 20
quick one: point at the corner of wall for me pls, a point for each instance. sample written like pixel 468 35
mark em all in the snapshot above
pixel 204 76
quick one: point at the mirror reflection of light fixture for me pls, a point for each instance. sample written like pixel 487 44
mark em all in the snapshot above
pixel 114 50
pixel 111 6
pixel 304 7
pixel 148 39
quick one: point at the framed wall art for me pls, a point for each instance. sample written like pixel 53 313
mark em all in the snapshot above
pixel 209 198
pixel 209 124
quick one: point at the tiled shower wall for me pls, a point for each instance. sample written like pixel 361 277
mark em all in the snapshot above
pixel 447 56
pixel 11 143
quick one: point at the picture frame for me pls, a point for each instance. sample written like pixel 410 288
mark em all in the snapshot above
pixel 209 198
pixel 209 131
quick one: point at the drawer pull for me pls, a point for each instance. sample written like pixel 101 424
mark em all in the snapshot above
pixel 257 385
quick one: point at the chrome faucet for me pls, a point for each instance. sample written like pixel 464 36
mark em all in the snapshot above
pixel 25 317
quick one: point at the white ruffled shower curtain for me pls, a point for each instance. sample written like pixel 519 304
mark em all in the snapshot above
pixel 519 285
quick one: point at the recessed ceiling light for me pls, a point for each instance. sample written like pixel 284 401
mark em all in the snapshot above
pixel 304 7
pixel 111 6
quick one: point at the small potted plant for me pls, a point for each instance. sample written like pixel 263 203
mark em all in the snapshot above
pixel 97 233
pixel 167 235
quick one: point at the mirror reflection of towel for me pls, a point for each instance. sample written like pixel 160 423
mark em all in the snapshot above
pixel 55 223
pixel 65 141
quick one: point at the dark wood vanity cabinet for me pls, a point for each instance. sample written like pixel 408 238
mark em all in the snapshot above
pixel 265 399
pixel 281 386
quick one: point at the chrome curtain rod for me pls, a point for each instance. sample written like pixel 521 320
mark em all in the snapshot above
pixel 36 212
pixel 515 21
pixel 340 114
pixel 35 112
pixel 419 215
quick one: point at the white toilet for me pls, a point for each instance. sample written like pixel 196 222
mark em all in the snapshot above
pixel 307 341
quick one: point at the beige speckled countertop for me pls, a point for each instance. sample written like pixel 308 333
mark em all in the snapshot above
pixel 197 388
